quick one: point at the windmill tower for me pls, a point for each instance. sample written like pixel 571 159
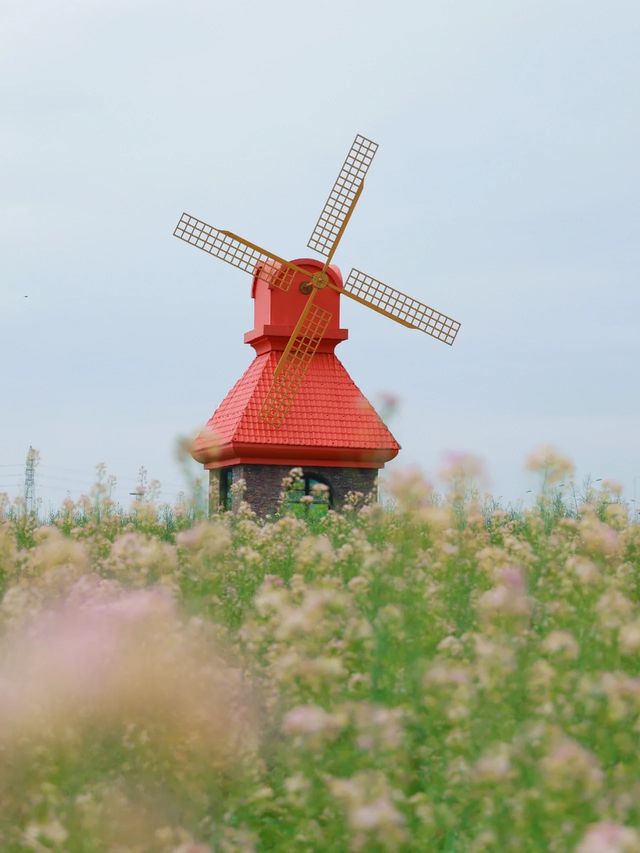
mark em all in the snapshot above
pixel 296 405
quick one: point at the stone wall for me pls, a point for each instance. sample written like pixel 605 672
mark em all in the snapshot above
pixel 264 485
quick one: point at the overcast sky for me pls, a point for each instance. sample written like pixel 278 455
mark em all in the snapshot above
pixel 505 193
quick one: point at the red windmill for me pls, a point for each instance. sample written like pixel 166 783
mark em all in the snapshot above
pixel 296 405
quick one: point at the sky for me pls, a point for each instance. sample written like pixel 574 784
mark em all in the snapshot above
pixel 505 193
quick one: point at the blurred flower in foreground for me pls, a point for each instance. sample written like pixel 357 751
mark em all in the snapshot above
pixel 508 599
pixel 134 706
pixel 568 764
pixel 109 660
pixel 462 472
pixel 387 404
pixel 459 465
pixel 613 487
pixel 547 461
pixel 410 488
pixel 371 812
pixel 609 837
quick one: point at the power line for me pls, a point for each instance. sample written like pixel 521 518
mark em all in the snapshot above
pixel 82 473
pixel 117 477
pixel 65 480
pixel 44 469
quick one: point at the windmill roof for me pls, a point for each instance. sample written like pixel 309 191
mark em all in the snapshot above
pixel 330 422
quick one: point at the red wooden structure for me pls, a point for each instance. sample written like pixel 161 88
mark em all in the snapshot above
pixel 331 431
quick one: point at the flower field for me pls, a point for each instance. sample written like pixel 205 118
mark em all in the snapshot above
pixel 431 674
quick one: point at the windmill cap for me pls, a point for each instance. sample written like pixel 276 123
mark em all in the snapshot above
pixel 312 265
pixel 277 311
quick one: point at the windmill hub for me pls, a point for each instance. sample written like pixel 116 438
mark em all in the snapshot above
pixel 320 279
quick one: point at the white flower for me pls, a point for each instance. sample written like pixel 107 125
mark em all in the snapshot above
pixel 561 643
pixel 629 638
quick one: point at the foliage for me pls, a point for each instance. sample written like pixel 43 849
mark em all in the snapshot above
pixel 438 673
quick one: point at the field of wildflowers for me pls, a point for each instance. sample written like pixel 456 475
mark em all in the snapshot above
pixel 435 674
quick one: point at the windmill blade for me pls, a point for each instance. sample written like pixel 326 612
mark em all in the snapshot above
pixel 294 362
pixel 343 197
pixel 399 307
pixel 237 251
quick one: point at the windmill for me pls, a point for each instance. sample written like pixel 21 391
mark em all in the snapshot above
pixel 305 296
pixel 277 272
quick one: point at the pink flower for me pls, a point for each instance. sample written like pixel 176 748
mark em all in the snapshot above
pixel 607 837
pixel 106 657
pixel 310 720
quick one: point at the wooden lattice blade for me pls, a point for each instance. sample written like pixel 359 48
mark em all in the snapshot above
pixel 400 307
pixel 343 196
pixel 237 251
pixel 294 363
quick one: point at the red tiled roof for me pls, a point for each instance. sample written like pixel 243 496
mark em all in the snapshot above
pixel 330 421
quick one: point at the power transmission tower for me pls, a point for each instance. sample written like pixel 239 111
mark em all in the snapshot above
pixel 30 481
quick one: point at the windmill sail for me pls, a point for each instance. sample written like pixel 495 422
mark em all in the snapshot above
pixel 236 251
pixel 295 362
pixel 343 196
pixel 400 307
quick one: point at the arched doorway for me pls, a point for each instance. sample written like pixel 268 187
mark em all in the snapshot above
pixel 315 489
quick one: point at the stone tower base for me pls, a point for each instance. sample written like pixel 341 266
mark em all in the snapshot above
pixel 263 485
